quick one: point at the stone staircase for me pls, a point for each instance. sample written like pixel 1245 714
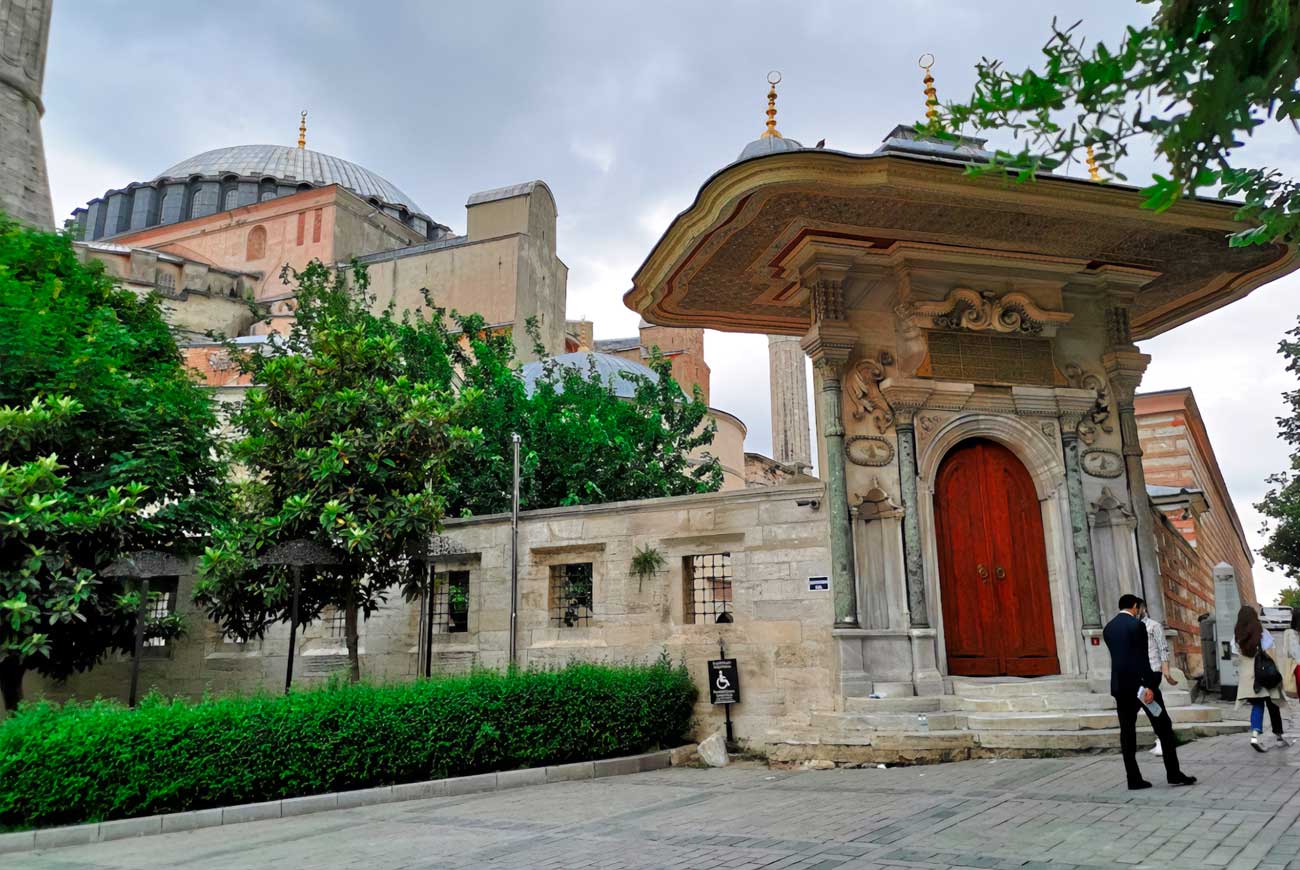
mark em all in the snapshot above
pixel 984 718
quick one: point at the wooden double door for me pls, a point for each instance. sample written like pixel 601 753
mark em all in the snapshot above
pixel 997 607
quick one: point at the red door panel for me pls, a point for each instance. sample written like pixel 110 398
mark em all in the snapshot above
pixel 997 609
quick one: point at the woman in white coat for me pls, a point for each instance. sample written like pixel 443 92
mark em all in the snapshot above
pixel 1290 664
pixel 1250 638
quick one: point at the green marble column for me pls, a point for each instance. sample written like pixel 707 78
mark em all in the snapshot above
pixel 843 581
pixel 1084 571
pixel 912 561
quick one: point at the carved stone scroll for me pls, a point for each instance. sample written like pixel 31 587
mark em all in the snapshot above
pixel 864 391
pixel 980 311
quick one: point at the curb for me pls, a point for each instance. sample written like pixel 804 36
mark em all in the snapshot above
pixel 169 823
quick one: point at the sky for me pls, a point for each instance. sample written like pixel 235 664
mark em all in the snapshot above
pixel 624 109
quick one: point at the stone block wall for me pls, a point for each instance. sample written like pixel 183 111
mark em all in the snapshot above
pixel 780 631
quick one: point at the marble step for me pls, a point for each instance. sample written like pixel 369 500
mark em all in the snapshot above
pixel 845 723
pixel 1050 702
pixel 1003 687
pixel 1080 720
pixel 894 705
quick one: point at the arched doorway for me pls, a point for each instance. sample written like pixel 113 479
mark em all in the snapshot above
pixel 997 608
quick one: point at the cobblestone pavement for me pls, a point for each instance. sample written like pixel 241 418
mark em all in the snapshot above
pixel 1057 813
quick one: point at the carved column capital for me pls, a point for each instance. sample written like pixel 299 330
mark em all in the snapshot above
pixel 1124 369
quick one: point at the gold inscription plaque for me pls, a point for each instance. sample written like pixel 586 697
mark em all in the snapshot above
pixel 991 359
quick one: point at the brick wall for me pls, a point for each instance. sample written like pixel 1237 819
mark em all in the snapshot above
pixel 1188 582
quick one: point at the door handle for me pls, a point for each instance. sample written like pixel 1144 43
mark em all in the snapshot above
pixel 1000 573
pixel 982 571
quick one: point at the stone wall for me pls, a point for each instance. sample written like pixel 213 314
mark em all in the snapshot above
pixel 781 633
pixel 1188 582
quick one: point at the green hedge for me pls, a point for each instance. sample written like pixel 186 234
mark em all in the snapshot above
pixel 94 761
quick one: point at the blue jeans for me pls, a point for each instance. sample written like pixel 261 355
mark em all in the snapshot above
pixel 1257 715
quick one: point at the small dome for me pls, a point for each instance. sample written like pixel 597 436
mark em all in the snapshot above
pixel 768 145
pixel 613 371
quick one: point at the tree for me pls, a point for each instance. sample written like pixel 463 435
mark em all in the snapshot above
pixel 105 447
pixel 1281 504
pixel 1290 597
pixel 346 441
pixel 1197 80
pixel 582 444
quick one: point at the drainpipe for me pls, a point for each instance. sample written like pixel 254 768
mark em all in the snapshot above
pixel 514 557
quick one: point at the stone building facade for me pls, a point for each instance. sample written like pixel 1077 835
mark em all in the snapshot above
pixel 24 39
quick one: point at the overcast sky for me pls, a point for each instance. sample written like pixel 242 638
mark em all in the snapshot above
pixel 624 109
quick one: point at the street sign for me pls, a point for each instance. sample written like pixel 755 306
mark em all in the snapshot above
pixel 724 682
pixel 819 584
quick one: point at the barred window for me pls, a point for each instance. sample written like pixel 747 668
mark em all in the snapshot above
pixel 451 603
pixel 707 587
pixel 162 604
pixel 334 623
pixel 570 599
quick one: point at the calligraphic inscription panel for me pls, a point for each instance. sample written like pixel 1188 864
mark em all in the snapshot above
pixel 991 359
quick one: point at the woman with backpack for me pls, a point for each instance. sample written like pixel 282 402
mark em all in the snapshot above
pixel 1259 680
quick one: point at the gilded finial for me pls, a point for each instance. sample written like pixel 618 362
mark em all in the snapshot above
pixel 1093 173
pixel 926 62
pixel 773 79
pixel 302 130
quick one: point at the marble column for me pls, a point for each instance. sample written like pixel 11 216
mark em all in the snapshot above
pixel 1124 365
pixel 904 426
pixel 789 385
pixel 829 343
pixel 1084 569
pixel 24 184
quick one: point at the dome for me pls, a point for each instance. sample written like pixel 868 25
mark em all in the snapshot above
pixel 287 163
pixel 765 145
pixel 613 371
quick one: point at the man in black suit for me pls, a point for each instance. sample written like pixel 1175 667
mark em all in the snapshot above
pixel 1131 673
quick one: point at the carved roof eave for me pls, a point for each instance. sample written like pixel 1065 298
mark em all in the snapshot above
pixel 718 199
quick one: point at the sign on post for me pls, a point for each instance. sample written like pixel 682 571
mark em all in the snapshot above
pixel 724 682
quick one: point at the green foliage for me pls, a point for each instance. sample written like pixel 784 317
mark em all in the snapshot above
pixel 1281 504
pixel 581 443
pixel 105 448
pixel 96 761
pixel 1198 79
pixel 1290 597
pixel 345 441
pixel 647 561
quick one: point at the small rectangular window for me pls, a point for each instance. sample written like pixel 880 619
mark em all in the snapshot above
pixel 571 595
pixel 706 584
pixel 451 603
pixel 162 604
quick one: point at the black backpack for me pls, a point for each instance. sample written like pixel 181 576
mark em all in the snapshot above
pixel 1267 676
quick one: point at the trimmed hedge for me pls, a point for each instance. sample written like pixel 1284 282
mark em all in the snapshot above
pixel 95 761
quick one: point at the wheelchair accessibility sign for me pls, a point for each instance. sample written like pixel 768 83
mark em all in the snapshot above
pixel 724 682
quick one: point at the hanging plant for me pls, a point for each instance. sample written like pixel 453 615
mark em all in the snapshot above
pixel 646 562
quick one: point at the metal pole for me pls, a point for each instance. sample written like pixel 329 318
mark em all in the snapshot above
pixel 722 654
pixel 293 625
pixel 419 629
pixel 139 640
pixel 430 568
pixel 514 558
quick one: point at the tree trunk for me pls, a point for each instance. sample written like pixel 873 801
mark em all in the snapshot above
pixel 350 629
pixel 11 683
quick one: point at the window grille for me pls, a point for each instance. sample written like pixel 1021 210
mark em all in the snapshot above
pixel 570 600
pixel 707 584
pixel 162 604
pixel 451 602
pixel 335 622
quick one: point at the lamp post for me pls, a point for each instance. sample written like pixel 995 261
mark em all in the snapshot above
pixel 296 554
pixel 514 555
pixel 143 565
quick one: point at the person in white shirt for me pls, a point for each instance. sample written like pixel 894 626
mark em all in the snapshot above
pixel 1158 653
pixel 1291 661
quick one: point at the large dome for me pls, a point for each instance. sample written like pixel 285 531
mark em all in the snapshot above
pixel 286 163
pixel 613 371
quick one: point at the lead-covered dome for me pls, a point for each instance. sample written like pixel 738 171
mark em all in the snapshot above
pixel 286 163
pixel 613 371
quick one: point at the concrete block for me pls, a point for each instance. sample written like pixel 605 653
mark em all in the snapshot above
pixel 73 835
pixel 517 778
pixel 472 784
pixel 191 821
pixel 124 828
pixel 570 772
pixel 314 803
pixel 365 797
pixel 20 841
pixel 250 812
pixel 415 791
pixel 616 766
pixel 655 760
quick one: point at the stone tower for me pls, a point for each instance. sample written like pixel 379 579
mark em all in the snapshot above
pixel 790 439
pixel 24 184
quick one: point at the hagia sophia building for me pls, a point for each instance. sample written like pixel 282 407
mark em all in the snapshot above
pixel 214 230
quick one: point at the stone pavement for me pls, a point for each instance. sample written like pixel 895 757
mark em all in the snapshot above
pixel 1032 813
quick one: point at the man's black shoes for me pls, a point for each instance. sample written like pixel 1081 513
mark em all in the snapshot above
pixel 1139 785
pixel 1183 779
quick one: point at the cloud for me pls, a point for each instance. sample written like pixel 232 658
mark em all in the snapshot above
pixel 599 154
